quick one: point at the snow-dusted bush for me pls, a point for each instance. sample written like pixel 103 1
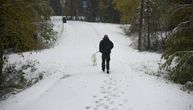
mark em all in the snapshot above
pixel 126 29
pixel 188 86
pixel 14 79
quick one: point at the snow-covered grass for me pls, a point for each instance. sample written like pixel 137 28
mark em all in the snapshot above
pixel 72 83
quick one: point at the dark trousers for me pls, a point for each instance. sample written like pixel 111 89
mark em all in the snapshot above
pixel 105 60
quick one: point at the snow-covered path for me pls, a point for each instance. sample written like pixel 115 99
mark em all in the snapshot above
pixel 73 83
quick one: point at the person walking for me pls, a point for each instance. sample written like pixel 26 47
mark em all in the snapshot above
pixel 105 47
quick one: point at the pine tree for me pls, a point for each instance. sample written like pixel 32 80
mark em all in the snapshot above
pixel 91 13
pixel 73 8
pixel 179 44
pixel 180 52
pixel 107 12
pixel 56 6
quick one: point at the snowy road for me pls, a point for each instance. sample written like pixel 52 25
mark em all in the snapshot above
pixel 74 84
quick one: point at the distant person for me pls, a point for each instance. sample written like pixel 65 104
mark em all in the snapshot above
pixel 64 19
pixel 105 47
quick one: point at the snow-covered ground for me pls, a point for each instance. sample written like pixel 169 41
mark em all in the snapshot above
pixel 72 83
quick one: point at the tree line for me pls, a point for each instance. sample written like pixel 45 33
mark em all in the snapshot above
pixel 94 10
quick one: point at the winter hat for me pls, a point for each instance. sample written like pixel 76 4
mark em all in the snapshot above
pixel 106 36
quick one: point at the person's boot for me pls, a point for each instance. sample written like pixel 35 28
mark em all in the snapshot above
pixel 107 71
pixel 103 70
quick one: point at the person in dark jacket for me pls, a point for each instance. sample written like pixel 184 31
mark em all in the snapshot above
pixel 64 19
pixel 105 47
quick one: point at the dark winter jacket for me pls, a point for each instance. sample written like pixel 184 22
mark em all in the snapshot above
pixel 105 46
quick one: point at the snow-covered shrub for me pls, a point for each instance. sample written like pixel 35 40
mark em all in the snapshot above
pixel 126 29
pixel 188 86
pixel 13 78
pixel 46 35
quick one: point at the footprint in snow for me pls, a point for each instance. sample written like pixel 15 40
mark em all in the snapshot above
pixel 106 107
pixel 102 87
pixel 97 101
pixel 120 104
pixel 105 97
pixel 103 92
pixel 88 107
pixel 95 96
pixel 100 100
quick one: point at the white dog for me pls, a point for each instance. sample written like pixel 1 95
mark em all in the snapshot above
pixel 94 59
